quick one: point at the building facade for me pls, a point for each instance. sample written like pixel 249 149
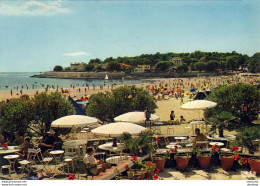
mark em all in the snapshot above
pixel 177 61
pixel 142 68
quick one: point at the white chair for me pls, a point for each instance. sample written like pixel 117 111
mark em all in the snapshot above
pixel 45 160
pixel 70 155
pixel 6 167
pixel 67 162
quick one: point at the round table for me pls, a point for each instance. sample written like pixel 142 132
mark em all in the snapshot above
pixel 179 138
pixel 116 159
pixel 108 146
pixel 57 155
pixel 12 158
pixel 10 150
pixel 172 146
pixel 77 144
pixel 219 144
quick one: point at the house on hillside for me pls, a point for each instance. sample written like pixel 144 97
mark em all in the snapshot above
pixel 142 68
pixel 176 61
pixel 77 67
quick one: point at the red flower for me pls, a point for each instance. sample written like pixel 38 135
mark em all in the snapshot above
pixel 71 177
pixel 155 177
pixel 134 158
pixel 175 146
pixel 216 149
pixel 149 163
pixel 244 160
pixel 213 147
pixel 236 156
pixel 5 145
pixel 158 139
pixel 172 150
pixel 158 170
pixel 236 148
pixel 126 166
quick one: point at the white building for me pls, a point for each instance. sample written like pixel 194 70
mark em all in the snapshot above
pixel 177 61
pixel 142 68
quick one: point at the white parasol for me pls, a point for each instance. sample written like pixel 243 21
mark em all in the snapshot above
pixel 135 117
pixel 74 121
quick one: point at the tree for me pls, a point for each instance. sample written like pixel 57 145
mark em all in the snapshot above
pixel 254 63
pixel 163 66
pixel 89 67
pixel 231 62
pixel 211 66
pixel 49 107
pixel 97 60
pixel 58 68
pixel 16 116
pixel 237 106
pixel 182 68
pixel 200 66
pixel 121 100
pixel 113 66
pixel 67 69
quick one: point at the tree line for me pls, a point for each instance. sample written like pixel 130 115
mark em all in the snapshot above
pixel 195 61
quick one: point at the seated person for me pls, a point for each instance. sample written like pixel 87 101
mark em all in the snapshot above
pixel 48 143
pixel 92 163
pixel 18 140
pixel 199 137
pixel 25 146
pixel 182 119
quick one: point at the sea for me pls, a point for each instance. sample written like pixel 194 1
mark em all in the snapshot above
pixel 12 80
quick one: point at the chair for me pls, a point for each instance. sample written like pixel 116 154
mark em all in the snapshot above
pixel 70 155
pixel 29 161
pixel 6 167
pixel 67 162
pixel 45 159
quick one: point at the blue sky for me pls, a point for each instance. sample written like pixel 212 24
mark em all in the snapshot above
pixel 37 35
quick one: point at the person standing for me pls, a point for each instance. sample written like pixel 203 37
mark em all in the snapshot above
pixel 147 115
pixel 172 116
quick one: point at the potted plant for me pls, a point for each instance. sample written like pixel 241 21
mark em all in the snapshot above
pixel 159 160
pixel 248 139
pixel 182 159
pixel 227 159
pixel 204 158
pixel 149 168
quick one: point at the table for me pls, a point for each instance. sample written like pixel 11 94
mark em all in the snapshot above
pixel 57 155
pixel 117 159
pixel 10 150
pixel 180 138
pixel 219 144
pixel 108 147
pixel 172 146
pixel 12 158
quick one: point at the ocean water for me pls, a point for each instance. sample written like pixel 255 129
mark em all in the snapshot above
pixel 12 80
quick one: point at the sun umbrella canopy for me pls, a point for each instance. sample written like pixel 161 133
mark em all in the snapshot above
pixel 117 129
pixel 198 105
pixel 135 117
pixel 74 121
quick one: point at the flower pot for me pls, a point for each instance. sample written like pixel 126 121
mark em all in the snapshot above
pixel 255 165
pixel 149 174
pixel 227 161
pixel 137 175
pixel 160 162
pixel 204 161
pixel 182 162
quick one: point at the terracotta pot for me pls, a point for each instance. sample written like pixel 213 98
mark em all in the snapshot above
pixel 255 165
pixel 182 162
pixel 149 174
pixel 204 161
pixel 138 175
pixel 227 161
pixel 160 162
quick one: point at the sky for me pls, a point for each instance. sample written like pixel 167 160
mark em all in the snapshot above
pixel 37 35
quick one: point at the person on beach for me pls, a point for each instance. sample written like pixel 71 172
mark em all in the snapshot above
pixel 199 137
pixel 11 92
pixel 172 116
pixel 182 120
pixel 91 162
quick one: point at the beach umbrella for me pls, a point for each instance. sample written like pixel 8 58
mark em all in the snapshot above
pixel 74 121
pixel 117 129
pixel 135 117
pixel 198 105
